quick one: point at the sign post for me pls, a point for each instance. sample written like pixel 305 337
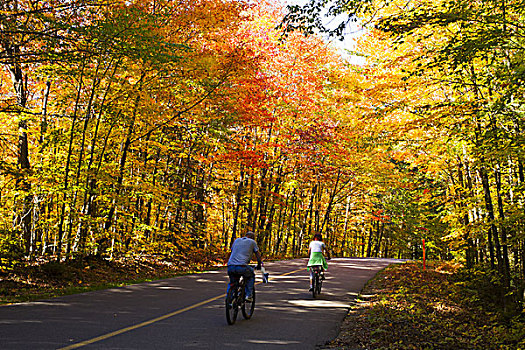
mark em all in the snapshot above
pixel 424 256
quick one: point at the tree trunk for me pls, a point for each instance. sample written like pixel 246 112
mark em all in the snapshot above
pixel 310 213
pixel 465 220
pixel 370 240
pixel 66 169
pixel 505 267
pixel 345 227
pixel 330 202
pixel 238 200
pixel 23 212
pixel 122 164
pixel 490 213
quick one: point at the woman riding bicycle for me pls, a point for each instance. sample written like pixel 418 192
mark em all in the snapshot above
pixel 315 251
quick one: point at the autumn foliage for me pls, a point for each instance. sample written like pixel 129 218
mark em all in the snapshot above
pixel 154 128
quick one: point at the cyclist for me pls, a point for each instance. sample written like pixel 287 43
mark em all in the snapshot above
pixel 315 251
pixel 241 253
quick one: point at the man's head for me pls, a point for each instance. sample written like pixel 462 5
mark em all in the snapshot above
pixel 318 237
pixel 250 234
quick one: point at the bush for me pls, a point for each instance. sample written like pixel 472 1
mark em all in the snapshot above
pixel 11 250
pixel 485 288
pixel 56 271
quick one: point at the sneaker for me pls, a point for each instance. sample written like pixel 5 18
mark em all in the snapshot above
pixel 311 289
pixel 248 299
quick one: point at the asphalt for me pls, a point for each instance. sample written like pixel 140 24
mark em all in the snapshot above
pixel 187 312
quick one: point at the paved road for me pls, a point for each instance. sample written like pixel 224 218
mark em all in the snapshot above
pixel 187 312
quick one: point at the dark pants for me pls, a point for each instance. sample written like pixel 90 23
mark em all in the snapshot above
pixel 234 271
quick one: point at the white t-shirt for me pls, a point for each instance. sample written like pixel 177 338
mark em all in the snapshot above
pixel 316 246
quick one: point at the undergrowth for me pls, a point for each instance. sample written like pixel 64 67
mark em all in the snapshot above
pixel 27 281
pixel 441 307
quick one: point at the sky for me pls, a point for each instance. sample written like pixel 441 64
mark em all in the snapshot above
pixel 353 32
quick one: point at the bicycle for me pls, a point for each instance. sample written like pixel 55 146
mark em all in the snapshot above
pixel 235 299
pixel 317 280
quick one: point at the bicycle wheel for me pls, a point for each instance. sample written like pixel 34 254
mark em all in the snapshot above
pixel 248 307
pixel 319 284
pixel 232 305
pixel 315 284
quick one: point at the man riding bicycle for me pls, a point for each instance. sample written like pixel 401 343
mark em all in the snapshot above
pixel 315 251
pixel 241 253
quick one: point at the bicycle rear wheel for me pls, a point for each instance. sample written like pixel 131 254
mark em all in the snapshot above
pixel 248 307
pixel 319 284
pixel 315 285
pixel 232 305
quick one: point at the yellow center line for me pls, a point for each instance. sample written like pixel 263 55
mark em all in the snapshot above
pixel 289 273
pixel 154 320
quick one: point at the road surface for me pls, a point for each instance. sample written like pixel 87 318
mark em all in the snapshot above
pixel 187 312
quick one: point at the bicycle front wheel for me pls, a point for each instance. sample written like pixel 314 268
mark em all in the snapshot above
pixel 248 307
pixel 232 305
